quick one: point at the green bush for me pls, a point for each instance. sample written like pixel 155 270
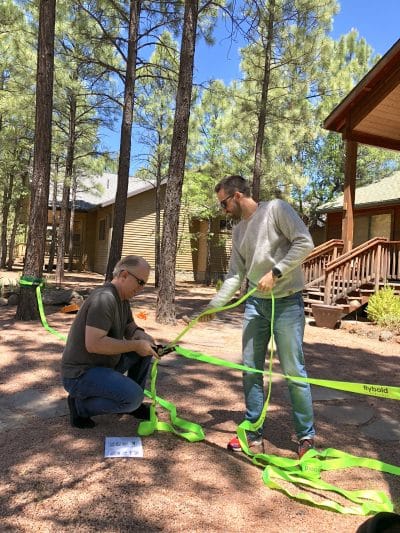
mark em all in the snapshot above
pixel 384 309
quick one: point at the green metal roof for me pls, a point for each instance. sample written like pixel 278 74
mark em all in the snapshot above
pixel 384 191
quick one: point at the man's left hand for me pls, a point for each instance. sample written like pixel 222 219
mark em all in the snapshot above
pixel 267 282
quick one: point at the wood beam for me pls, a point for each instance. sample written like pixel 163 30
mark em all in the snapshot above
pixel 349 194
pixel 371 98
pixel 373 140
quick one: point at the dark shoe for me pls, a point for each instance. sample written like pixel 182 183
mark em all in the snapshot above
pixel 255 444
pixel 303 446
pixel 142 412
pixel 383 521
pixel 82 422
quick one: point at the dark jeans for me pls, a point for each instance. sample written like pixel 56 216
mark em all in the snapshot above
pixel 102 390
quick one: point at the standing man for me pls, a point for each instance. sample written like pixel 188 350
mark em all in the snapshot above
pixel 103 343
pixel 268 245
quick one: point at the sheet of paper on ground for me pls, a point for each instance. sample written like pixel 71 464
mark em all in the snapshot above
pixel 123 447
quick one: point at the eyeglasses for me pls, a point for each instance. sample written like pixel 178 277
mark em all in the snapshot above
pixel 223 203
pixel 141 282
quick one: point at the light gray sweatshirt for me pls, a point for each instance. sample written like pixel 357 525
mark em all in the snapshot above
pixel 273 236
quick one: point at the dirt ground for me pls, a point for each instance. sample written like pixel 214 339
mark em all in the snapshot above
pixel 55 478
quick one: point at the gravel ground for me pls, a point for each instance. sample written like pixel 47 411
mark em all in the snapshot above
pixel 55 478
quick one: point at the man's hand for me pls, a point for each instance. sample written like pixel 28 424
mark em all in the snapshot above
pixel 140 335
pixel 144 348
pixel 267 282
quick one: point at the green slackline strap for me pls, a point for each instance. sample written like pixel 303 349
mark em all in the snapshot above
pixel 209 312
pixel 187 430
pixel 304 472
pixel 38 283
pixel 383 391
pixel 30 280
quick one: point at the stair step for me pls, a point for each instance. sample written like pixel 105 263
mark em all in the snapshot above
pixel 312 300
pixel 315 293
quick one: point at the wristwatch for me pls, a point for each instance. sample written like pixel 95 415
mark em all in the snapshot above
pixel 276 272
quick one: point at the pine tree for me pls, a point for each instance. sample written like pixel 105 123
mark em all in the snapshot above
pixel 165 312
pixel 27 308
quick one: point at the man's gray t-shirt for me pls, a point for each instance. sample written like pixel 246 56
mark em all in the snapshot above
pixel 104 310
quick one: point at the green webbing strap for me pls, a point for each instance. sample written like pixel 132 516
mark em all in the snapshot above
pixel 38 282
pixel 187 430
pixel 209 312
pixel 384 391
pixel 304 472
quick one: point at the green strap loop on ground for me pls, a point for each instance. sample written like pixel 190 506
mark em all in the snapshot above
pixel 188 430
pixel 367 501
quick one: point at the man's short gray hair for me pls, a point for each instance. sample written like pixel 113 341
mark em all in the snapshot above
pixel 128 262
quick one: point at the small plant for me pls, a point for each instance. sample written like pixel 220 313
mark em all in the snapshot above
pixel 7 286
pixel 384 309
pixel 219 284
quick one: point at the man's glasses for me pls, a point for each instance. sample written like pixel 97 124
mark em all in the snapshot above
pixel 223 203
pixel 141 282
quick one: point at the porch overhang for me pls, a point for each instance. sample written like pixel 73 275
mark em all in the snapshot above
pixel 369 114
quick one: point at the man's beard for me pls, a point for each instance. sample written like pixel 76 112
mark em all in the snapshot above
pixel 237 212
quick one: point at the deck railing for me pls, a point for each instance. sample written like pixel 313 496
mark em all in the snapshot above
pixel 315 263
pixel 375 261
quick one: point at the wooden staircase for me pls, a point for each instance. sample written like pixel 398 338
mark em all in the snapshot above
pixel 346 281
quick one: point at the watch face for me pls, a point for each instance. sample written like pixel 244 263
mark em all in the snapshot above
pixel 276 273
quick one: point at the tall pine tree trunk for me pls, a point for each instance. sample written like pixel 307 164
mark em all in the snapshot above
pixel 125 144
pixel 7 195
pixel 61 232
pixel 262 112
pixel 157 240
pixel 27 307
pixel 165 312
pixel 71 226
pixel 53 243
pixel 11 244
pixel 69 168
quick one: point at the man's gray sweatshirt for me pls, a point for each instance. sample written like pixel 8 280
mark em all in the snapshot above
pixel 273 236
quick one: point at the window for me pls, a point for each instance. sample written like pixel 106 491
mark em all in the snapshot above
pixel 367 227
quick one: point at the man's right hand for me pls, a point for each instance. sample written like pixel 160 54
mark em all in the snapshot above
pixel 144 348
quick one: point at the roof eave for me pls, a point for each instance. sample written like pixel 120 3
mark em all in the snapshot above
pixel 336 120
pixel 394 201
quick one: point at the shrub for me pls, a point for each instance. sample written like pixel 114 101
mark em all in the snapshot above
pixel 384 309
pixel 219 284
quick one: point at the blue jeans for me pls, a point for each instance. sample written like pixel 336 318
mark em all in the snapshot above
pixel 288 332
pixel 102 390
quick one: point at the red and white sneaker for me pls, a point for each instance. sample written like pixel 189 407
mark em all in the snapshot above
pixel 255 444
pixel 304 445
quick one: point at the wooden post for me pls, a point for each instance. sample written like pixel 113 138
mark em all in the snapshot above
pixel 378 259
pixel 349 194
